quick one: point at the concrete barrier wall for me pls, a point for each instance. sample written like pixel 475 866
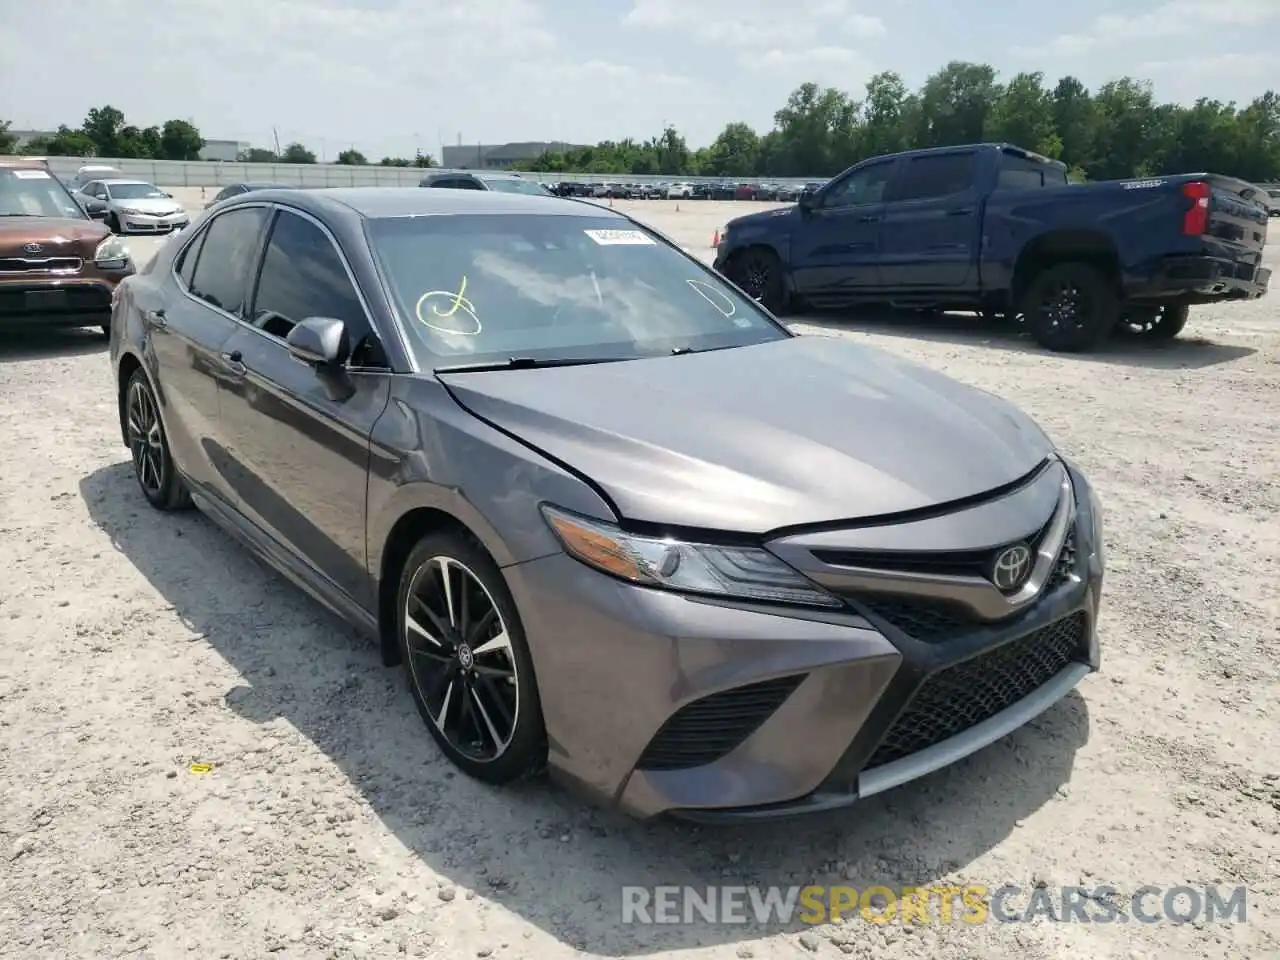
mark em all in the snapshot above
pixel 175 173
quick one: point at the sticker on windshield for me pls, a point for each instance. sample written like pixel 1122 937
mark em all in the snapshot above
pixel 628 238
pixel 32 175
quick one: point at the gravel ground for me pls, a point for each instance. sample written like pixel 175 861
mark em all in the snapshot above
pixel 135 645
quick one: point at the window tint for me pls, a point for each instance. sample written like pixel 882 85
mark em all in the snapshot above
pixel 862 186
pixel 1019 173
pixel 303 276
pixel 936 175
pixel 226 254
pixel 186 265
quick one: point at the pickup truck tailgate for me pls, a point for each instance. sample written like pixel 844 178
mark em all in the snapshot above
pixel 1237 221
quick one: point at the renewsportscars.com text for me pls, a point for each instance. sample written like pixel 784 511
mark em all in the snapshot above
pixel 936 904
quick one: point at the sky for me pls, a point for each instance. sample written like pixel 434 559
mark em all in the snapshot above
pixel 392 76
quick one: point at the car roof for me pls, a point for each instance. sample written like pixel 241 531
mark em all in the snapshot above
pixel 147 183
pixel 378 203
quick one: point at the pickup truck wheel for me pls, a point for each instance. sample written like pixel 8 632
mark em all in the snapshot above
pixel 759 273
pixel 1159 323
pixel 1071 307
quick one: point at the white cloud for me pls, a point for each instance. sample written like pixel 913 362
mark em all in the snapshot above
pixel 384 75
pixel 1170 20
pixel 755 25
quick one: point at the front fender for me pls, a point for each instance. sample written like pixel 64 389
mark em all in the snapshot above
pixel 428 452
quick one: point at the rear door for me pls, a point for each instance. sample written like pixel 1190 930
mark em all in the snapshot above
pixel 835 244
pixel 932 222
pixel 189 332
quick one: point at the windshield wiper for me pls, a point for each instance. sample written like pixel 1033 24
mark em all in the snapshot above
pixel 527 363
pixel 19 214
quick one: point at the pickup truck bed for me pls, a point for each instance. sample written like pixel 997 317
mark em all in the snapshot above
pixel 995 228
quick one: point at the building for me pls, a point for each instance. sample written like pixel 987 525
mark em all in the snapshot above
pixel 506 156
pixel 222 149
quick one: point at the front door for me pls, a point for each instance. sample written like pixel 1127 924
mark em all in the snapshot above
pixel 298 439
pixel 189 333
pixel 834 244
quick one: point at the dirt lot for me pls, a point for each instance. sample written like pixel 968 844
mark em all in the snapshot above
pixel 136 644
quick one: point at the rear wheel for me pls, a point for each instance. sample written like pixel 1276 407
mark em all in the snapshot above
pixel 152 463
pixel 758 272
pixel 1071 307
pixel 1162 322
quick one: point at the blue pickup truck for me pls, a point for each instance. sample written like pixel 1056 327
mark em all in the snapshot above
pixel 999 230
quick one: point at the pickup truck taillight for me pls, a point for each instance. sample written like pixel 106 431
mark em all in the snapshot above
pixel 1195 222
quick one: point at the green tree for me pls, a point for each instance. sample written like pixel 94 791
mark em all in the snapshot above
pixel 352 158
pixel 1024 116
pixel 394 162
pixel 65 142
pixel 955 102
pixel 423 160
pixel 257 155
pixel 735 153
pixel 180 140
pixel 297 153
pixel 103 127
pixel 8 140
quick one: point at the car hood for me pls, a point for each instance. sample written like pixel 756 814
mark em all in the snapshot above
pixel 806 430
pixel 55 234
pixel 765 218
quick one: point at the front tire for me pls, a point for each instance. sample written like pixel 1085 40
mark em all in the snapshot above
pixel 113 224
pixel 153 465
pixel 1162 322
pixel 758 272
pixel 1071 307
pixel 467 661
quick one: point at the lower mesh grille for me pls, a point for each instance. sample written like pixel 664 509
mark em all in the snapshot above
pixel 704 731
pixel 962 696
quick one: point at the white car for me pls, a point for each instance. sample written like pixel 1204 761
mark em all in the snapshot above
pixel 679 191
pixel 1273 202
pixel 135 206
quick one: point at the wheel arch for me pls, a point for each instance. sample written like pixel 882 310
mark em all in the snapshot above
pixel 408 529
pixel 129 364
pixel 1064 246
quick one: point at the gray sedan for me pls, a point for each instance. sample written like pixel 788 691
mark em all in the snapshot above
pixel 613 518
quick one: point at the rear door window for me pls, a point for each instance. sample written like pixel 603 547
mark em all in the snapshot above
pixel 1021 173
pixel 226 256
pixel 933 175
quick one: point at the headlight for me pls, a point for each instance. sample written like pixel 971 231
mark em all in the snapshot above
pixel 747 573
pixel 133 210
pixel 1095 512
pixel 111 252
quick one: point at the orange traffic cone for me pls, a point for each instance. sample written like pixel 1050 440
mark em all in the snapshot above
pixel 715 239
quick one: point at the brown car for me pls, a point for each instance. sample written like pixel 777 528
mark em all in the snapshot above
pixel 58 267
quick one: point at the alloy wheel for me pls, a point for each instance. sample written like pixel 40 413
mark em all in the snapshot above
pixel 460 659
pixel 146 441
pixel 1066 307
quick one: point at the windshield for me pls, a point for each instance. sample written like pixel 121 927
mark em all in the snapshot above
pixel 1274 194
pixel 516 186
pixel 477 289
pixel 35 193
pixel 134 191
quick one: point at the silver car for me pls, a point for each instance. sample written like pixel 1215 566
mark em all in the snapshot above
pixel 135 206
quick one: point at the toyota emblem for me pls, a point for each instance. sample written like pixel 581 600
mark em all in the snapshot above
pixel 1011 568
pixel 33 248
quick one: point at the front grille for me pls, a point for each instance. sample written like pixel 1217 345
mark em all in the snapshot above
pixel 1066 564
pixel 961 696
pixel 23 265
pixel 704 731
pixel 80 298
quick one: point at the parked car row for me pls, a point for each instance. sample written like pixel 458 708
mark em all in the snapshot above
pixel 677 190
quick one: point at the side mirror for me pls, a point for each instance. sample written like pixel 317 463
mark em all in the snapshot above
pixel 318 341
pixel 808 200
pixel 169 195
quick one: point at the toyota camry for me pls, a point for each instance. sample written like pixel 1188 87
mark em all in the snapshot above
pixel 611 516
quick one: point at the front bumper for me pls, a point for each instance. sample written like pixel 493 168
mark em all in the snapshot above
pixel 1201 279
pixel 146 223
pixel 659 703
pixel 58 303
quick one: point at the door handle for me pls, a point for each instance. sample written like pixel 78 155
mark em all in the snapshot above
pixel 156 318
pixel 960 212
pixel 234 362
